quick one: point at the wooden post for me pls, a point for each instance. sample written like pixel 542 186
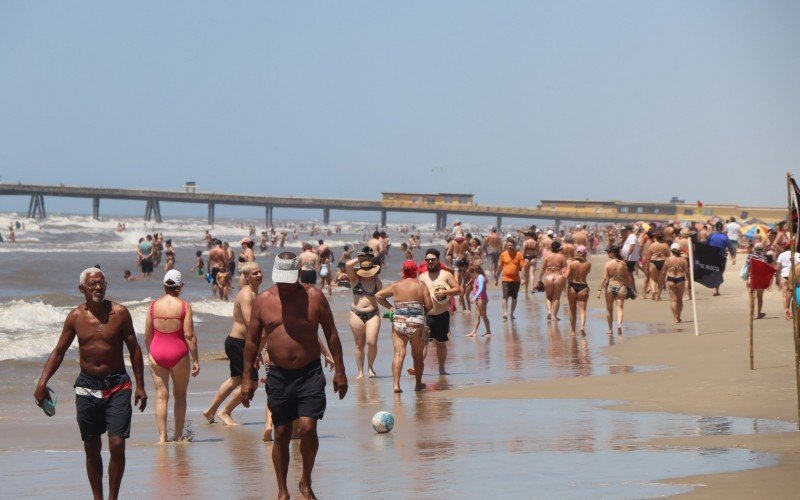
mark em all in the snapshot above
pixel 752 309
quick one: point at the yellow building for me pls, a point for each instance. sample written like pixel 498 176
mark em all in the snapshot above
pixel 432 199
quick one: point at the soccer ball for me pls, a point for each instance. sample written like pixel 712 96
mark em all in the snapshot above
pixel 382 422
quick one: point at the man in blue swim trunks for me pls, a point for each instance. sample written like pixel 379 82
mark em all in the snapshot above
pixel 103 388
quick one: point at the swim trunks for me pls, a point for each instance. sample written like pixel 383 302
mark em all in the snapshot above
pixel 103 404
pixel 510 289
pixel 439 325
pixel 631 265
pixel 408 318
pixel 294 393
pixel 234 349
pixel 495 257
pixel 309 277
pixel 147 266
pixel 214 272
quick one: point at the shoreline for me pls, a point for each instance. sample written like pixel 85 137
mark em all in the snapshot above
pixel 707 375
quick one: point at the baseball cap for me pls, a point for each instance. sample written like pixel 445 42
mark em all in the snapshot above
pixel 286 269
pixel 675 247
pixel 581 250
pixel 246 240
pixel 173 278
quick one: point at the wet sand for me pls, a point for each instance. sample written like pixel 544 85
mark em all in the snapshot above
pixel 508 420
pixel 705 375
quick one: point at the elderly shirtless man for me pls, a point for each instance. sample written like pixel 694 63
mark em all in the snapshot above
pixel 103 388
pixel 411 302
pixel 309 264
pixel 290 314
pixel 491 247
pixel 216 263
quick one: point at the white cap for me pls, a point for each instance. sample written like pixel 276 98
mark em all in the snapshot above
pixel 675 247
pixel 173 278
pixel 285 270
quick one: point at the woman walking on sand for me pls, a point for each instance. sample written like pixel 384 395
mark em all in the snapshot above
pixel 616 281
pixel 169 337
pixel 553 269
pixel 675 272
pixel 364 318
pixel 578 289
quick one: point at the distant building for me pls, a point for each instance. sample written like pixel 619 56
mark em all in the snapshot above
pixel 431 199
pixel 190 186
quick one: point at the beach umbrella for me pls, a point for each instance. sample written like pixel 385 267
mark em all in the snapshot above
pixel 752 230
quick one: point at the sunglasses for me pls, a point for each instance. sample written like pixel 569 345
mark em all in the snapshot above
pixel 431 260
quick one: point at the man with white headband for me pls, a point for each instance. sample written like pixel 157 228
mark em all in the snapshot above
pixel 290 314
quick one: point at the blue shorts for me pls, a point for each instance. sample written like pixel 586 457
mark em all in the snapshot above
pixel 732 246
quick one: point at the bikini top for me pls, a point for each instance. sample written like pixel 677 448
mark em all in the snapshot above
pixel 181 317
pixel 360 290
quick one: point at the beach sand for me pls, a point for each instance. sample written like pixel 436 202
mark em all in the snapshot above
pixel 705 375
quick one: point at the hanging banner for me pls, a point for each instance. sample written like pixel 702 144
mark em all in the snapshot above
pixel 709 264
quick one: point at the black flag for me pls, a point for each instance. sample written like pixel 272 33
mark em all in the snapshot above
pixel 709 264
pixel 794 193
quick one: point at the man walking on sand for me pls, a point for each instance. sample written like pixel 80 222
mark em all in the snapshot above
pixel 103 388
pixel 441 285
pixel 234 347
pixel 290 314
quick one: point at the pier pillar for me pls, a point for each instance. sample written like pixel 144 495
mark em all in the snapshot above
pixel 36 207
pixel 96 208
pixel 268 215
pixel 558 224
pixel 211 209
pixel 441 220
pixel 326 216
pixel 152 210
pixel 499 223
pixel 383 218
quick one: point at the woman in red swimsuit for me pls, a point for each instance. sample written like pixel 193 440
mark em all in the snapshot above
pixel 169 336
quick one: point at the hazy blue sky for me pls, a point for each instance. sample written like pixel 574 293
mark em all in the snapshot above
pixel 514 101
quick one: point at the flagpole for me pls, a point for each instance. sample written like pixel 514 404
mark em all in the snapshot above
pixel 694 295
pixel 751 292
pixel 793 284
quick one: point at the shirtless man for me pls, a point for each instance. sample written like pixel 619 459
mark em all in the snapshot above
pixel 676 270
pixel 457 251
pixel 234 347
pixel 103 388
pixel 568 248
pixel 223 283
pixel 580 237
pixel 544 243
pixel 411 302
pixel 530 253
pixel 491 245
pixel 216 263
pixel 657 253
pixel 209 240
pixel 326 273
pixel 441 285
pixel 375 244
pixel 669 233
pixel 290 315
pixel 309 264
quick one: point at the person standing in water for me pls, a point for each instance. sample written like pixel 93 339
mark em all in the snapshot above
pixel 103 388
pixel 170 339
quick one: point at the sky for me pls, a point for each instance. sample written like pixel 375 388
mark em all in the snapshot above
pixel 514 101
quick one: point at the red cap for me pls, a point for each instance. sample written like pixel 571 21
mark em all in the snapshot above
pixel 409 269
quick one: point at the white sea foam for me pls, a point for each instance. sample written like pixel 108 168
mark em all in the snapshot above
pixel 29 328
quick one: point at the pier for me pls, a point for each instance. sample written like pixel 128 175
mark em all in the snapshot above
pixel 152 205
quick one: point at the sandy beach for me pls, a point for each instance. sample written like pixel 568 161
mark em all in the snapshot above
pixel 658 412
pixel 705 375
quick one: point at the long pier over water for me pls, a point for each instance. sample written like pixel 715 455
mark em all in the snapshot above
pixel 153 199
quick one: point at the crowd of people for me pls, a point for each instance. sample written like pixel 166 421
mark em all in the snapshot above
pixel 278 328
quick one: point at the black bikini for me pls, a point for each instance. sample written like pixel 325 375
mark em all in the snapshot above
pixel 658 263
pixel 578 287
pixel 676 279
pixel 359 289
